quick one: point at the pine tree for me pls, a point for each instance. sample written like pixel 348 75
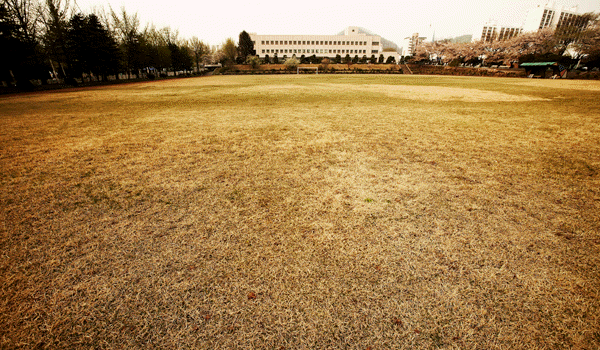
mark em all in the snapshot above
pixel 245 46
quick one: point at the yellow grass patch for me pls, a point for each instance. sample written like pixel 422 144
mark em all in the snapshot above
pixel 302 212
pixel 437 93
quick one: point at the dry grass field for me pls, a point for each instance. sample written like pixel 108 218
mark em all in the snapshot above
pixel 302 212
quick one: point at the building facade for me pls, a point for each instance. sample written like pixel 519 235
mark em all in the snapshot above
pixel 553 17
pixel 410 44
pixel 538 18
pixel 491 32
pixel 351 43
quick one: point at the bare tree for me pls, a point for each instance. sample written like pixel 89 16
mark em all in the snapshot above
pixel 199 49
pixel 158 41
pixel 26 15
pixel 127 31
pixel 55 17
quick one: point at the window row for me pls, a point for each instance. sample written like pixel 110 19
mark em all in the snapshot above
pixel 314 51
pixel 309 42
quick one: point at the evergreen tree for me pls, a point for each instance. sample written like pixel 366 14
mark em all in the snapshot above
pixel 180 57
pixel 245 46
pixel 77 46
pixel 90 47
pixel 104 53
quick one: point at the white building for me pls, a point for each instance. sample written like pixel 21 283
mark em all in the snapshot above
pixel 491 31
pixel 539 17
pixel 552 16
pixel 411 43
pixel 351 43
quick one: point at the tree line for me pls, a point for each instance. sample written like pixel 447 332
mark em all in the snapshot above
pixel 48 40
pixel 568 45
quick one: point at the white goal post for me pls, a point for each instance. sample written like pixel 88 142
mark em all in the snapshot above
pixel 316 69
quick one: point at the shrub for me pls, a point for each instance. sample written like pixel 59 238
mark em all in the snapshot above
pixel 291 63
pixel 253 61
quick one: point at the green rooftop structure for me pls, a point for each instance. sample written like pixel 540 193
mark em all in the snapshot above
pixel 541 69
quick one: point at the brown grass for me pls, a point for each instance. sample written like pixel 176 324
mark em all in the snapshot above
pixel 302 212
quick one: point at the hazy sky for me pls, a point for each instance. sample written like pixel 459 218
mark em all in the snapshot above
pixel 214 21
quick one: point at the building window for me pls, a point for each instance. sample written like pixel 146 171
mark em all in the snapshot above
pixel 375 43
pixel 262 42
pixel 294 42
pixel 374 51
pixel 263 51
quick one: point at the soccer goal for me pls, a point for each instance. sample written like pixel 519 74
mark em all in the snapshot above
pixel 316 69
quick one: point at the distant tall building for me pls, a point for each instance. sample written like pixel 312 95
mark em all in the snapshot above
pixel 554 17
pixel 411 43
pixel 539 17
pixel 491 32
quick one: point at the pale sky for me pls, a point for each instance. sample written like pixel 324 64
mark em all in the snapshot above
pixel 214 21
